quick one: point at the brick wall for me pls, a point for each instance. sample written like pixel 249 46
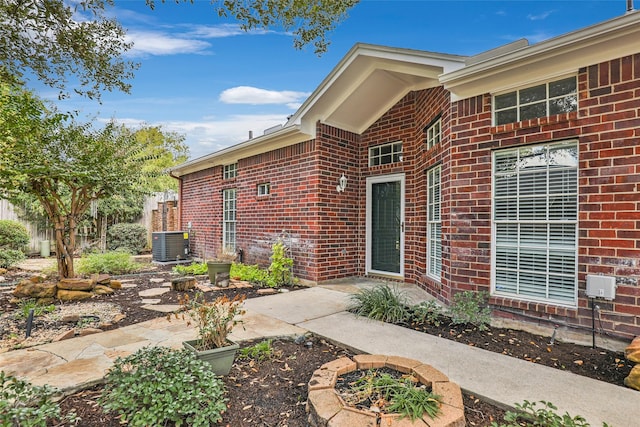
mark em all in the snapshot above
pixel 607 127
pixel 165 217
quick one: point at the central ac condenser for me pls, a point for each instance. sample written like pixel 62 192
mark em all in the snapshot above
pixel 169 246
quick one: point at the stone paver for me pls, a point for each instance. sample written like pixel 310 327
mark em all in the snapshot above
pixel 162 308
pixel 153 292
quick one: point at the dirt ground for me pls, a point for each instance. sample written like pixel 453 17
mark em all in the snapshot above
pixel 273 393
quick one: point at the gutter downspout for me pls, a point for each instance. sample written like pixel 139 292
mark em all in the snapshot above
pixel 179 196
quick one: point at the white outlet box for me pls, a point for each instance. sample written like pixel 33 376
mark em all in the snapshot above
pixel 601 287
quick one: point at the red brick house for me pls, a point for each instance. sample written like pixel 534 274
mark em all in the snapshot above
pixel 516 171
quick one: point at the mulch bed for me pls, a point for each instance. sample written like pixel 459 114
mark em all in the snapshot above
pixel 273 393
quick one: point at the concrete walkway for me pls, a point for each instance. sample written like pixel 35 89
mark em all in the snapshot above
pixel 76 363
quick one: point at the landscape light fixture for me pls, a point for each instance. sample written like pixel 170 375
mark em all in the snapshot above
pixel 342 184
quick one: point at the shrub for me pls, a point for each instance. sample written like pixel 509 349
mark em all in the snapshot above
pixel 108 263
pixel 249 273
pixel 380 303
pixel 129 237
pixel 13 235
pixel 429 312
pixel 471 307
pixel 9 257
pixel 195 269
pixel 157 386
pixel 528 415
pixel 23 404
pixel 280 268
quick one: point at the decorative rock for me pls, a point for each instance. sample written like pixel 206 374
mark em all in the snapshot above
pixel 115 284
pixel 156 280
pixel 101 279
pixel 29 289
pixel 70 318
pixel 66 295
pixel 76 284
pixel 183 283
pixel 88 331
pixel 118 317
pixel 267 291
pixel 2 279
pixel 65 335
pixel 633 380
pixel 36 279
pixel 632 352
pixel 102 290
pixel 3 271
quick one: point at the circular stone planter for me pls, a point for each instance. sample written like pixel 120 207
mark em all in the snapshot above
pixel 327 409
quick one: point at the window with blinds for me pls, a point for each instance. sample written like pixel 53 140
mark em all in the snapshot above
pixel 535 222
pixel 434 230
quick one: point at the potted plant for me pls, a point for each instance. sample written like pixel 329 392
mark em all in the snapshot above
pixel 214 321
pixel 220 267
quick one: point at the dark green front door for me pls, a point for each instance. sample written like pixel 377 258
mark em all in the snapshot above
pixel 386 226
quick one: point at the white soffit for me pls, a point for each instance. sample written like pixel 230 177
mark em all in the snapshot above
pixel 369 81
pixel 559 56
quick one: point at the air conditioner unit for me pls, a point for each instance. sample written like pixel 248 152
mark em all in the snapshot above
pixel 169 246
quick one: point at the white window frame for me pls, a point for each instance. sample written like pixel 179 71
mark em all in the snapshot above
pixel 229 219
pixel 534 245
pixel 385 154
pixel 434 223
pixel 230 171
pixel 264 189
pixel 547 100
pixel 434 133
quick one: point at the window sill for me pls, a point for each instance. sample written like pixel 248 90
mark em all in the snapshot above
pixel 540 121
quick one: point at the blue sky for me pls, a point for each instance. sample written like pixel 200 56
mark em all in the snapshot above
pixel 204 78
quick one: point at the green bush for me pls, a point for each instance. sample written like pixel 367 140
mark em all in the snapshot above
pixel 429 312
pixel 157 386
pixel 13 235
pixel 195 269
pixel 381 303
pixel 9 257
pixel 250 273
pixel 23 404
pixel 129 237
pixel 280 268
pixel 528 415
pixel 108 263
pixel 25 305
pixel 471 307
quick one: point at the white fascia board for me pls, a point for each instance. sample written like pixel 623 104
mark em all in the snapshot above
pixel 307 118
pixel 261 144
pixel 612 39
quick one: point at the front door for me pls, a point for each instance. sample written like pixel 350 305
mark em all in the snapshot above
pixel 385 225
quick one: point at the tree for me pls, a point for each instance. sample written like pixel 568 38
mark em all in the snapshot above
pixel 57 39
pixel 308 20
pixel 65 165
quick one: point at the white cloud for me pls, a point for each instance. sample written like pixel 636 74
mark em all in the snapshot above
pixel 257 96
pixel 214 133
pixel 218 31
pixel 539 17
pixel 155 43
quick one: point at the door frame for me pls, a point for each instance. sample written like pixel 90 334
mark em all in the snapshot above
pixel 376 180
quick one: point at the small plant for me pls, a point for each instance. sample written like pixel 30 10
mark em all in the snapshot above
pixel 195 269
pixel 280 268
pixel 215 319
pixel 158 386
pixel 528 415
pixel 25 305
pixel 23 404
pixel 127 237
pixel 380 303
pixel 260 351
pixel 249 273
pixel 116 262
pixel 429 312
pixel 393 395
pixel 13 235
pixel 471 307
